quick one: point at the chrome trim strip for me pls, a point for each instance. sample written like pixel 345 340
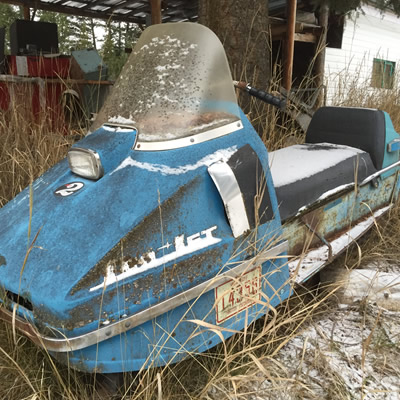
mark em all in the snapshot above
pixel 228 187
pixel 380 172
pixel 189 140
pixel 121 326
pixel 116 125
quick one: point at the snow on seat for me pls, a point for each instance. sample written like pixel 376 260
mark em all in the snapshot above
pixel 304 172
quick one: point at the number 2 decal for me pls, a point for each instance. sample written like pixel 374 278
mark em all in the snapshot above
pixel 68 189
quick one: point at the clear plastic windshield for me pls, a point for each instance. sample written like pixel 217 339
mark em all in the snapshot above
pixel 176 84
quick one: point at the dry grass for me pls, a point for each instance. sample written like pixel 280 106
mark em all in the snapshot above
pixel 30 145
pixel 351 91
pixel 27 371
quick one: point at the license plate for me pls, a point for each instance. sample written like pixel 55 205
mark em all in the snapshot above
pixel 236 295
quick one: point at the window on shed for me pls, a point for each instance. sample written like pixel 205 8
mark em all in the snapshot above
pixel 383 74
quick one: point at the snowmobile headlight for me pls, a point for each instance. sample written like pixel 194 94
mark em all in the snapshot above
pixel 85 163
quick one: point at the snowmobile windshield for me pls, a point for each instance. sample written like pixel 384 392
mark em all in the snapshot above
pixel 176 84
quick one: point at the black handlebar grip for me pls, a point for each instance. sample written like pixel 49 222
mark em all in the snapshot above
pixel 268 98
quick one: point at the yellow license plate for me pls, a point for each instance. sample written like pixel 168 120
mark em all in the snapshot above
pixel 238 294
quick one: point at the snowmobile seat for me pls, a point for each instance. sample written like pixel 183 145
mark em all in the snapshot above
pixel 305 173
pixel 362 128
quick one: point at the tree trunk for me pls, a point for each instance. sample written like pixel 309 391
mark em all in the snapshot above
pixel 93 33
pixel 242 27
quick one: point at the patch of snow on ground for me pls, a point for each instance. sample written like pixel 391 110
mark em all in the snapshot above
pixel 350 352
pixel 333 355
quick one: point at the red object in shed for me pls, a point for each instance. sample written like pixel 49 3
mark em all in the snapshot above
pixel 34 85
pixel 40 66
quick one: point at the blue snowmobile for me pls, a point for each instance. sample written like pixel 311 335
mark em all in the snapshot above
pixel 169 226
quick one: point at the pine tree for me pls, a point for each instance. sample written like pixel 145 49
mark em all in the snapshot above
pixel 119 36
pixel 8 14
pixel 85 40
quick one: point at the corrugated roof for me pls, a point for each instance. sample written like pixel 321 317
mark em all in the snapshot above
pixel 138 11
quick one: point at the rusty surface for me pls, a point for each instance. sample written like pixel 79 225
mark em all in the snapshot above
pixel 138 238
pixel 313 219
pixel 328 219
pixel 332 218
pixel 139 290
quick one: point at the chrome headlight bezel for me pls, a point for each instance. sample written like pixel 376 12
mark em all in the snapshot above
pixel 93 169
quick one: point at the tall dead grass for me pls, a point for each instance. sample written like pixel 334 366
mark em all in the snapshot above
pixel 349 90
pixel 30 145
pixel 236 366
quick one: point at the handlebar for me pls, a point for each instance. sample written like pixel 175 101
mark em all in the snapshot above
pixel 262 95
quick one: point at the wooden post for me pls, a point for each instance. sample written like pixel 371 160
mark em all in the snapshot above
pixel 155 11
pixel 291 6
pixel 27 13
pixel 320 60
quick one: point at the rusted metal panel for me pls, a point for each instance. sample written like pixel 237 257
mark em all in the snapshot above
pixel 331 218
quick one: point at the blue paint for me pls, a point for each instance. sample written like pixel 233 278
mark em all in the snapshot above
pixel 78 231
pixel 394 145
pixel 389 157
pixel 333 204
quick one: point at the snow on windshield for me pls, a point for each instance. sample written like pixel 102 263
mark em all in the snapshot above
pixel 176 83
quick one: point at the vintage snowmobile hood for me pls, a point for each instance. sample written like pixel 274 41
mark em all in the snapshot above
pixel 163 204
pixel 71 201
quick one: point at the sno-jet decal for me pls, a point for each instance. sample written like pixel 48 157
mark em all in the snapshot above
pixel 198 241
pixel 223 154
pixel 68 189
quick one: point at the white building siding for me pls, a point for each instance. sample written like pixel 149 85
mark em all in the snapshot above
pixel 365 37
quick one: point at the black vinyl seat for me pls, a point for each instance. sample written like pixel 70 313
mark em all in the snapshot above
pixel 303 173
pixel 341 143
pixel 362 128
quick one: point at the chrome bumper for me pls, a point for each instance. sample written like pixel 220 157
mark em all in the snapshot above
pixel 123 325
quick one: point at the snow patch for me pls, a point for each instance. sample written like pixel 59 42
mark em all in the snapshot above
pixel 333 352
pixel 294 163
pixel 334 191
pixel 117 129
pixel 166 67
pixel 382 288
pixel 121 120
pixel 223 154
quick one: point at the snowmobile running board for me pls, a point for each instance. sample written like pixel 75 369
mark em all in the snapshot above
pixel 314 260
pixel 170 226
